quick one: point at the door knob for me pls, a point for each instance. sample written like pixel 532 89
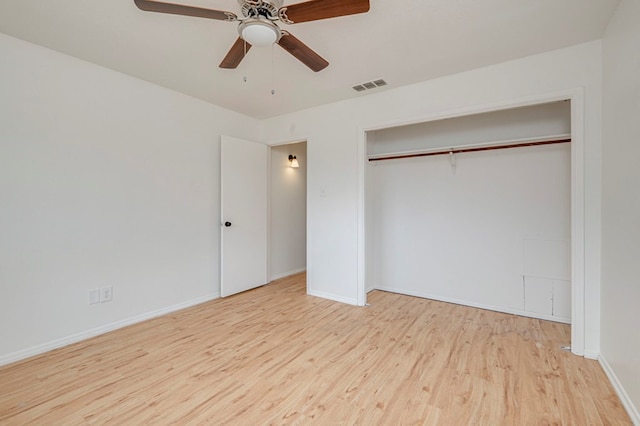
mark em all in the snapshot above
pixel 227 224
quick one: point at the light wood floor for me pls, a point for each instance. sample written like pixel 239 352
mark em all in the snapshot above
pixel 277 356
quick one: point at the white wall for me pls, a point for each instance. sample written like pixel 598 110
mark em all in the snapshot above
pixel 105 180
pixel 288 215
pixel 621 203
pixel 334 157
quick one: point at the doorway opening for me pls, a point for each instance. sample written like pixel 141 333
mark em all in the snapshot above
pixel 288 210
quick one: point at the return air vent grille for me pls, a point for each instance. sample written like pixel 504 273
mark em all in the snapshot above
pixel 369 85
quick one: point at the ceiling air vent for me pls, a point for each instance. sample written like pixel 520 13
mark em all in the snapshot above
pixel 369 85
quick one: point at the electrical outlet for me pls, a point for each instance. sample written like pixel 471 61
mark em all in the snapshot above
pixel 106 294
pixel 94 296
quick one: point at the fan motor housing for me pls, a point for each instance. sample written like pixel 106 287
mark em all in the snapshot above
pixel 260 8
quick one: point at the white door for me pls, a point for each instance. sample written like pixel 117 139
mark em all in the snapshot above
pixel 243 192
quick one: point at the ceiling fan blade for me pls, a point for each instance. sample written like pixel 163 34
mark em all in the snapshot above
pixel 181 9
pixel 314 10
pixel 302 52
pixel 236 54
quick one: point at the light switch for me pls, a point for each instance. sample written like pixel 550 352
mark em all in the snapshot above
pixel 94 296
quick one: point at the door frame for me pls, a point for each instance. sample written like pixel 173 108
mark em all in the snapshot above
pixel 576 96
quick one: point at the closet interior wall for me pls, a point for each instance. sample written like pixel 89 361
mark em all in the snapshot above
pixel 489 228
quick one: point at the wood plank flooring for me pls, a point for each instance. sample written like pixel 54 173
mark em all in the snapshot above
pixel 274 355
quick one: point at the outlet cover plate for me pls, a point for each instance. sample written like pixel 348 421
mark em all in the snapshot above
pixel 106 294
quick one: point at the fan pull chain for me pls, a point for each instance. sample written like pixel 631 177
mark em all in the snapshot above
pixel 273 90
pixel 244 44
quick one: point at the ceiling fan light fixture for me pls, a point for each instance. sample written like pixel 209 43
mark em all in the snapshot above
pixel 258 32
pixel 257 25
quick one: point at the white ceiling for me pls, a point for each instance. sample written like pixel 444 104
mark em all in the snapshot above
pixel 402 41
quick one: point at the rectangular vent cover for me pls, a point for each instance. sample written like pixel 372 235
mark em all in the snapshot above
pixel 369 85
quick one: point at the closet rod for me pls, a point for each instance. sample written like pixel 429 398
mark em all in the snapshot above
pixel 480 148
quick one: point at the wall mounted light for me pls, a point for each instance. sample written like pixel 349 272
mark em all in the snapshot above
pixel 293 161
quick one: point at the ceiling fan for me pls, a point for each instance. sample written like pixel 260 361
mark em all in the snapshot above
pixel 257 26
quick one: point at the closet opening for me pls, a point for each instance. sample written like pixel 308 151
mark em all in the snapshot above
pixel 478 210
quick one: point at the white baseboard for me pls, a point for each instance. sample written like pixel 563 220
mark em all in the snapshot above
pixel 87 334
pixel 477 305
pixel 333 297
pixel 591 355
pixel 286 274
pixel 632 410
